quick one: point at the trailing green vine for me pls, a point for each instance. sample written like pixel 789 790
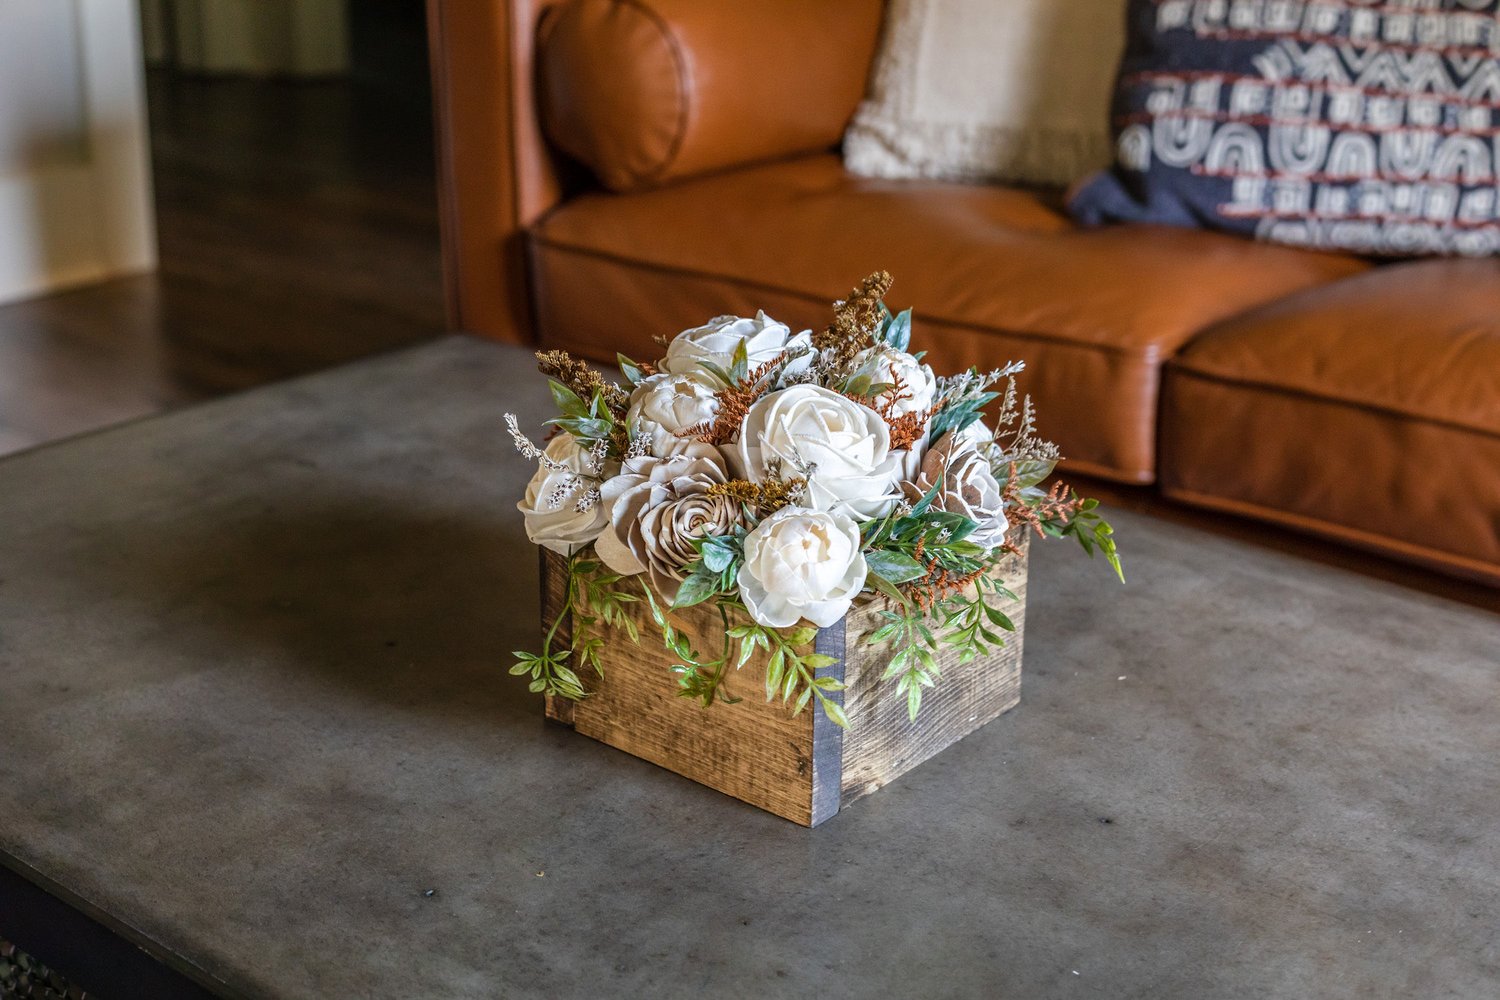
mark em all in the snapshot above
pixel 590 595
pixel 791 675
pixel 972 628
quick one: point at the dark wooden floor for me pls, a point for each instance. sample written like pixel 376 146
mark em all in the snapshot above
pixel 298 229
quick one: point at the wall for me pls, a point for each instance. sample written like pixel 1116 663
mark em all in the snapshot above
pixel 75 203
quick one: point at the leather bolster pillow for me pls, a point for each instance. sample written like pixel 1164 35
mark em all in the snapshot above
pixel 647 91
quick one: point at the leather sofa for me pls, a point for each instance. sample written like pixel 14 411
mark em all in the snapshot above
pixel 613 170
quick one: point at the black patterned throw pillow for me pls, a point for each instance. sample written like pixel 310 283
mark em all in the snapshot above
pixel 1364 125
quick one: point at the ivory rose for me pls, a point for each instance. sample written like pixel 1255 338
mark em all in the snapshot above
pixel 849 443
pixel 801 563
pixel 663 406
pixel 716 341
pixel 561 486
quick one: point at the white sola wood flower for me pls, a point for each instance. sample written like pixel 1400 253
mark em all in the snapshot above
pixel 658 508
pixel 716 341
pixel 801 563
pixel 885 364
pixel 841 447
pixel 664 406
pixel 561 507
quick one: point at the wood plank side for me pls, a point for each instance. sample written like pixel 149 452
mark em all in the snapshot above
pixel 554 577
pixel 753 750
pixel 882 743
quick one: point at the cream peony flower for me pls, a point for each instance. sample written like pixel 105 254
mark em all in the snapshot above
pixel 968 487
pixel 665 405
pixel 561 507
pixel 716 341
pixel 886 364
pixel 657 508
pixel 801 563
pixel 849 443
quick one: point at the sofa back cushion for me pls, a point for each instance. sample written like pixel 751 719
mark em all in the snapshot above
pixel 643 92
pixel 1368 127
pixel 990 90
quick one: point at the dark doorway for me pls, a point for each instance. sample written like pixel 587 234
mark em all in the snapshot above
pixel 298 228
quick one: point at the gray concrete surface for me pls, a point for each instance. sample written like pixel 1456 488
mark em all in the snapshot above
pixel 253 706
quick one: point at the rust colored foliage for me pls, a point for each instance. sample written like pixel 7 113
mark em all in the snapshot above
pixel 906 428
pixel 734 403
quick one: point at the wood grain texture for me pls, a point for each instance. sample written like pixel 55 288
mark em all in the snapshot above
pixel 752 749
pixel 882 743
pixel 554 573
pixel 802 768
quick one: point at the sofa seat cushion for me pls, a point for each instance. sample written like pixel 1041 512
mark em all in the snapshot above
pixel 1367 410
pixel 993 274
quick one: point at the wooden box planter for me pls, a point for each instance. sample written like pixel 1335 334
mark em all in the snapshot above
pixel 804 767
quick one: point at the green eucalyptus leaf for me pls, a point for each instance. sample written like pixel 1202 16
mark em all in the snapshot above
pixel 894 567
pixel 802 700
pixel 921 506
pixel 697 588
pixel 874 581
pixel 739 363
pixel 717 558
pixel 633 372
pixel 1033 471
pixel 898 332
pixel 567 400
pixel 834 711
pixel 800 637
pixel 718 372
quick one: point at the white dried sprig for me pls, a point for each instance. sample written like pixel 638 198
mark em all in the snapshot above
pixel 529 449
pixel 639 447
pixel 587 500
pixel 1025 445
pixel 825 369
pixel 561 490
pixel 1007 405
pixel 582 486
pixel 776 470
pixel 597 455
pixel 965 384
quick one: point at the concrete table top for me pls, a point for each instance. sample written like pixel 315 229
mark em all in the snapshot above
pixel 254 712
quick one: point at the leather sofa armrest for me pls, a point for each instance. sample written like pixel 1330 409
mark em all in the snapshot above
pixel 643 92
pixel 496 175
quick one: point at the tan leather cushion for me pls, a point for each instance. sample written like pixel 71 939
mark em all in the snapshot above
pixel 644 91
pixel 993 273
pixel 1367 410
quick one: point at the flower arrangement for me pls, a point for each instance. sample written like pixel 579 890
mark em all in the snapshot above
pixel 780 476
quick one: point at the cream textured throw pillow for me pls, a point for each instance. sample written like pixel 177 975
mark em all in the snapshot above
pixel 1009 90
